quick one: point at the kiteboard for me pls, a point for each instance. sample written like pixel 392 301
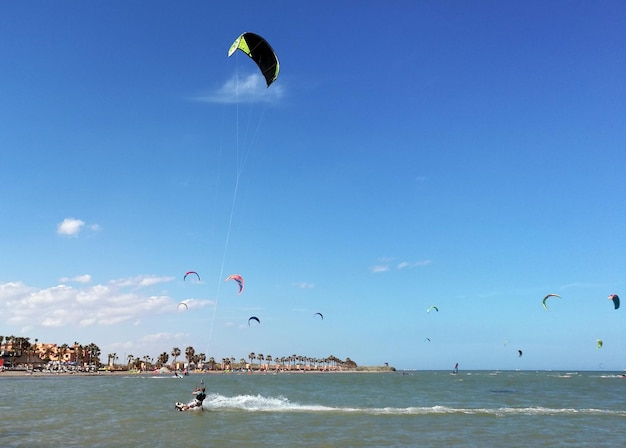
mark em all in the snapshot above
pixel 180 406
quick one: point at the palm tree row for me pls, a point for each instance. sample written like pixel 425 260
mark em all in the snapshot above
pixel 290 362
pixel 200 360
pixel 17 347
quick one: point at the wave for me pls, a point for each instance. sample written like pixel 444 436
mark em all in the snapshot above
pixel 259 403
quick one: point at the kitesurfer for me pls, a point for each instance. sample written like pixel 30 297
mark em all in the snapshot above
pixel 200 395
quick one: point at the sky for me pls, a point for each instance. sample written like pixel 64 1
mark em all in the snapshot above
pixel 467 155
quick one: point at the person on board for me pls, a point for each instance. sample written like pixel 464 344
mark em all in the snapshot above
pixel 200 395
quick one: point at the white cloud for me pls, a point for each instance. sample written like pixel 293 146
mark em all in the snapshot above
pixel 413 264
pixel 70 227
pixel 97 305
pixel 12 290
pixel 140 281
pixel 86 278
pixel 251 88
pixel 194 304
pixel 386 265
pixel 303 285
pixel 73 226
pixel 164 337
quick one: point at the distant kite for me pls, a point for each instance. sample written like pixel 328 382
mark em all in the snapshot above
pixel 543 302
pixel 615 299
pixel 432 307
pixel 519 353
pixel 599 343
pixel 182 306
pixel 320 315
pixel 191 272
pixel 238 278
pixel 254 318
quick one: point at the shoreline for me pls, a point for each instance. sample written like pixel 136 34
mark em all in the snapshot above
pixel 124 373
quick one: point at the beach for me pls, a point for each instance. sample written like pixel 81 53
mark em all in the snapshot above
pixel 123 373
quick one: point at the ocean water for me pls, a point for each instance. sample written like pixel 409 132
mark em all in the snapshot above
pixel 400 409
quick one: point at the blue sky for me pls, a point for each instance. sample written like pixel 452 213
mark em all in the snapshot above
pixel 468 155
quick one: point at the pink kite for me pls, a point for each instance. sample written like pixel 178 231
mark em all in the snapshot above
pixel 238 278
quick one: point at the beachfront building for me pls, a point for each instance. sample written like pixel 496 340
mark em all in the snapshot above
pixel 19 352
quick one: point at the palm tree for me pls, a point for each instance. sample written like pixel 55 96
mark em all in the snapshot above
pixel 111 358
pixel 252 357
pixel 61 351
pixel 163 357
pixel 269 358
pixel 349 363
pixel 23 345
pixel 260 357
pixel 146 364
pixel 26 348
pixel 175 354
pixel 199 359
pixel 189 352
pixel 47 352
pixel 79 354
pixel 130 360
pixel 94 354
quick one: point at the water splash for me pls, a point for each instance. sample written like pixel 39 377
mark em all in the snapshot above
pixel 259 403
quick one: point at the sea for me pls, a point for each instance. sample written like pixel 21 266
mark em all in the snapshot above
pixel 392 409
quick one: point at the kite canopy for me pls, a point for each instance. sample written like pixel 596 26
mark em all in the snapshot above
pixel 182 306
pixel 432 307
pixel 599 343
pixel 260 52
pixel 615 299
pixel 253 318
pixel 320 315
pixel 191 272
pixel 238 278
pixel 543 302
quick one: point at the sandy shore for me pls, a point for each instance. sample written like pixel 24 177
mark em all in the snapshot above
pixel 21 373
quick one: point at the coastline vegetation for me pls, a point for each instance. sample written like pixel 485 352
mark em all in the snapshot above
pixel 19 353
